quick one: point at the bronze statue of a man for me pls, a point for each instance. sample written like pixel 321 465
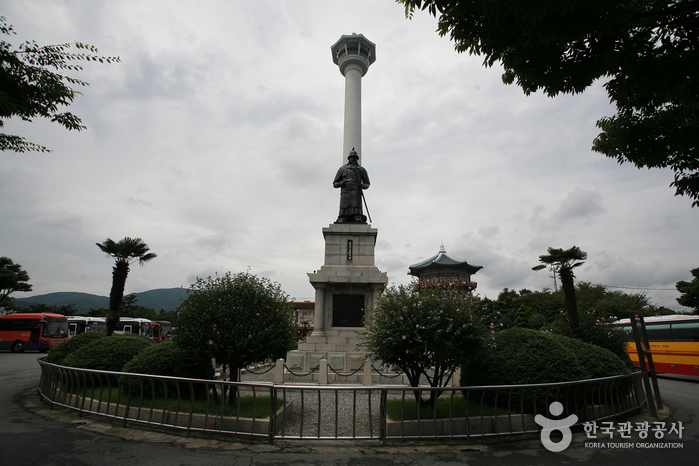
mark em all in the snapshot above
pixel 351 179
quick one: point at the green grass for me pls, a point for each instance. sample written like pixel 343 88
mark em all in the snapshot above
pixel 447 407
pixel 244 407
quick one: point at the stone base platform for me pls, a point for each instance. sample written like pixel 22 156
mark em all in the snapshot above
pixel 336 339
pixel 337 367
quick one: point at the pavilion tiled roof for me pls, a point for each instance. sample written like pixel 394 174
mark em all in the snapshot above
pixel 442 260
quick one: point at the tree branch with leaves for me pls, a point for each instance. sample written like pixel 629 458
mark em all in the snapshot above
pixel 12 278
pixel 646 51
pixel 32 84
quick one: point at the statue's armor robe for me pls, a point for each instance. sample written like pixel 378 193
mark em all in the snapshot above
pixel 351 179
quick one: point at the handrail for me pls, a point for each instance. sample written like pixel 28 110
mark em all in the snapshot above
pixel 303 411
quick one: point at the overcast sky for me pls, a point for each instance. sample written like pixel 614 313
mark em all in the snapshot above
pixel 217 136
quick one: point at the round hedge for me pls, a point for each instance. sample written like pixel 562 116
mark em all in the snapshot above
pixel 58 353
pixel 108 354
pixel 167 359
pixel 525 356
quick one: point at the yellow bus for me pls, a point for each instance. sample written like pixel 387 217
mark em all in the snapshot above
pixel 673 340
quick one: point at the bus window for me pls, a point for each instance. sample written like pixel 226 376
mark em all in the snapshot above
pixel 659 332
pixel 685 331
pixel 96 326
pixel 55 328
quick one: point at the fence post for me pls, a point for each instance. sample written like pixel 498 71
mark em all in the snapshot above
pixel 272 414
pixel 323 372
pixel 382 417
pixel 367 374
pixel 279 371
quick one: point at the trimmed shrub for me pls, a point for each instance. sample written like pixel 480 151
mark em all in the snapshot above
pixel 60 352
pixel 596 361
pixel 167 359
pixel 108 354
pixel 525 356
pixel 606 336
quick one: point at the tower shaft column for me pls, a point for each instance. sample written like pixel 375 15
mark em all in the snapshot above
pixel 353 113
pixel 353 54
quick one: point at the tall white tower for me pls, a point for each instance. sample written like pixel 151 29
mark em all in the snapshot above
pixel 348 285
pixel 353 54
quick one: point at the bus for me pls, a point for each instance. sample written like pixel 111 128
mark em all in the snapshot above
pixel 161 330
pixel 673 340
pixel 81 324
pixel 134 325
pixel 32 331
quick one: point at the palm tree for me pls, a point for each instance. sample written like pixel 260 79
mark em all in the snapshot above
pixel 124 252
pixel 565 261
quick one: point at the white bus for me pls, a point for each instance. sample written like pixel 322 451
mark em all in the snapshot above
pixel 81 324
pixel 134 325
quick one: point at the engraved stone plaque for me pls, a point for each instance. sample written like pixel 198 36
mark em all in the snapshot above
pixel 355 361
pixel 337 361
pixel 295 361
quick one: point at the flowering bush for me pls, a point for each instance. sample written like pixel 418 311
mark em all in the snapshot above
pixel 417 329
pixel 236 319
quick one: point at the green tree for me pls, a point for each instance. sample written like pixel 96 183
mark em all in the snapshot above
pixel 566 260
pixel 101 312
pixel 12 278
pixel 236 319
pixel 690 292
pixel 29 88
pixel 124 252
pixel 424 331
pixel 617 305
pixel 63 309
pixel 646 50
pixel 131 309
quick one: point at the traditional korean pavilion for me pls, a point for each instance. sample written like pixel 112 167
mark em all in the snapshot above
pixel 445 269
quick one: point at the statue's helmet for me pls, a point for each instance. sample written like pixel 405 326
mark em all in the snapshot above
pixel 352 153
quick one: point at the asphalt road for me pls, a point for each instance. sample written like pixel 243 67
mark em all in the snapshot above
pixel 30 433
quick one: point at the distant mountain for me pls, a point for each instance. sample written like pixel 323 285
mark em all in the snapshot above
pixel 166 298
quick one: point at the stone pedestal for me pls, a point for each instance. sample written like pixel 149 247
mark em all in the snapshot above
pixel 348 286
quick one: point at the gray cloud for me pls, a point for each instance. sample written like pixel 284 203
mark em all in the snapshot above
pixel 217 136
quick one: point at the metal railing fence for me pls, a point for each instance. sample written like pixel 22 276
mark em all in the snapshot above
pixel 385 413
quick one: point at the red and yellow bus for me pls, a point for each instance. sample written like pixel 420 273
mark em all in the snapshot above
pixel 20 332
pixel 673 340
